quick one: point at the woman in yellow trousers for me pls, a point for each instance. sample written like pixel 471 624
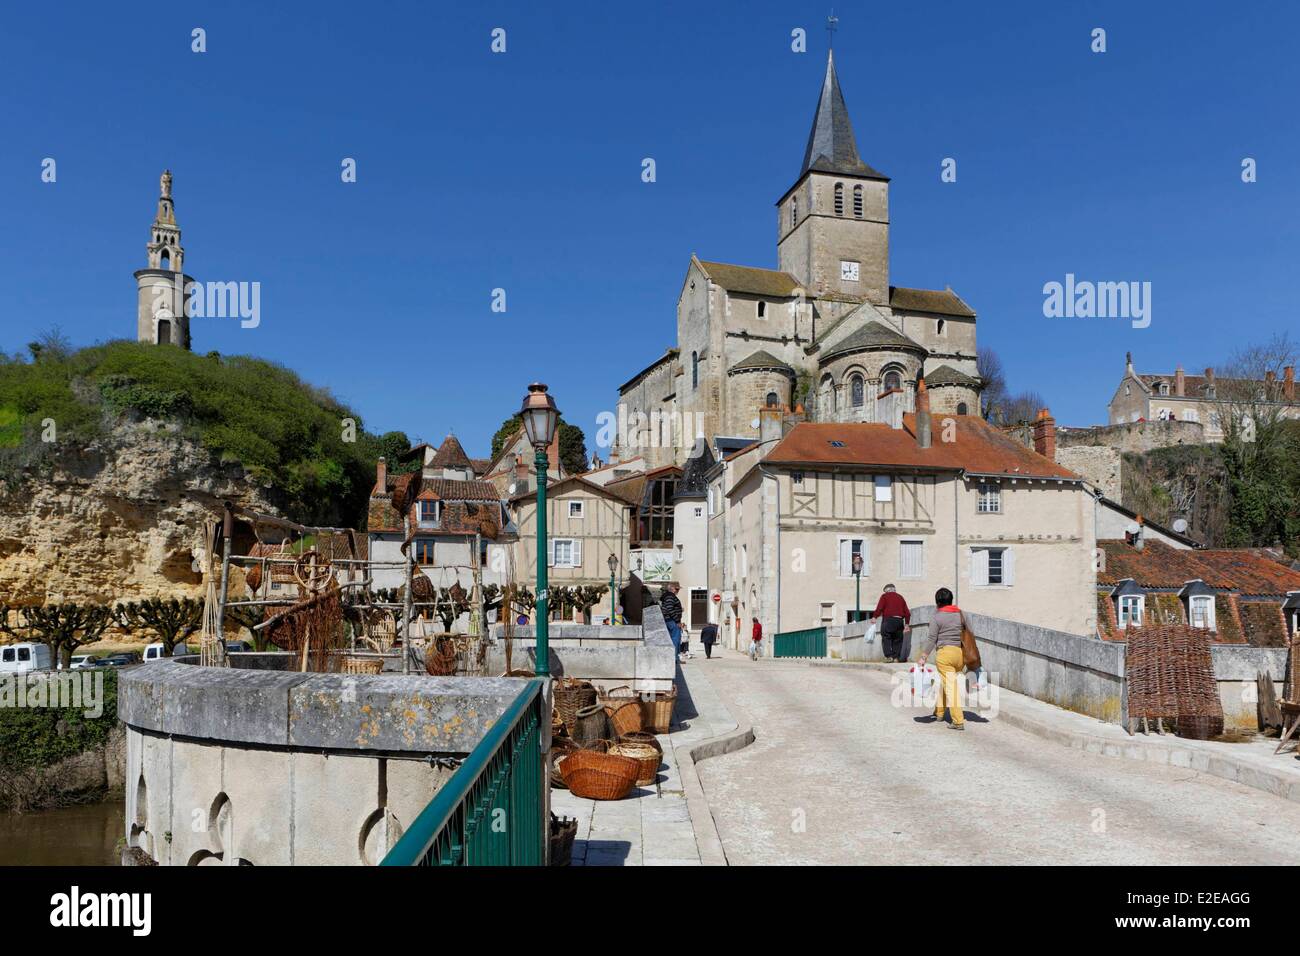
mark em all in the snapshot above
pixel 945 642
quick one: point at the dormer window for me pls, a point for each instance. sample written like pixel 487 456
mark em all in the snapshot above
pixel 1198 604
pixel 429 514
pixel 1130 604
pixel 1164 388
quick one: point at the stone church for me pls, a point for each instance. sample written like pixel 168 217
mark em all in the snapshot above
pixel 160 287
pixel 824 332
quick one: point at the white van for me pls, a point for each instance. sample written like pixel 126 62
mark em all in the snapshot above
pixel 155 652
pixel 20 658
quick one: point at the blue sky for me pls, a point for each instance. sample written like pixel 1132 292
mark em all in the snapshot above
pixel 522 171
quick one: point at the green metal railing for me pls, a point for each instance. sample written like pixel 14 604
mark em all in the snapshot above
pixel 491 811
pixel 810 642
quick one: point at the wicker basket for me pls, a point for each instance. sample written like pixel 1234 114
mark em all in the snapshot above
pixel 647 758
pixel 571 696
pixel 589 725
pixel 642 737
pixel 356 664
pixel 624 715
pixel 657 711
pixel 599 776
pixel 563 831
pixel 561 747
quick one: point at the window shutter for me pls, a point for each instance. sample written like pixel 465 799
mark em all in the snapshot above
pixel 550 553
pixel 1008 567
pixel 979 566
pixel 866 558
pixel 577 553
pixel 846 557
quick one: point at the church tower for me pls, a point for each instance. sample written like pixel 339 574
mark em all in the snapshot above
pixel 160 315
pixel 833 223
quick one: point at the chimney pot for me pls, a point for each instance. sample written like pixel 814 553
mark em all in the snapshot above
pixel 1045 434
pixel 1288 383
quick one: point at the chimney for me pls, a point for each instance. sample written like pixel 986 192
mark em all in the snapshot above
pixel 1209 376
pixel 769 423
pixel 1140 538
pixel 1288 383
pixel 1045 435
pixel 923 435
pixel 1180 382
pixel 553 455
pixel 381 475
pixel 1128 363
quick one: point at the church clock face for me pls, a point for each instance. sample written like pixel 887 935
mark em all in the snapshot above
pixel 848 271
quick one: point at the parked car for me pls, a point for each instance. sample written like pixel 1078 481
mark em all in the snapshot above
pixel 121 659
pixel 157 651
pixel 21 658
pixel 238 647
pixel 80 662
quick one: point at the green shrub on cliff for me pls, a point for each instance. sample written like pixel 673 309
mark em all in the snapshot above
pixel 285 432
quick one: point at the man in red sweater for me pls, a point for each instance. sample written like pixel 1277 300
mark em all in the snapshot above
pixel 894 619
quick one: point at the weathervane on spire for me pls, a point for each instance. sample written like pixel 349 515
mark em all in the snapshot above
pixel 831 26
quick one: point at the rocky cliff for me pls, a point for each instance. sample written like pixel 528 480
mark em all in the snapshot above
pixel 120 518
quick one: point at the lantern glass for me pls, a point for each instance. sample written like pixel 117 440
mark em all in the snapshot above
pixel 540 416
pixel 613 563
pixel 857 564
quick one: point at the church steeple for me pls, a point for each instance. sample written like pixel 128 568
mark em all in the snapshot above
pixel 831 146
pixel 833 223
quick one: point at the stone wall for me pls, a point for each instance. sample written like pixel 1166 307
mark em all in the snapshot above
pixel 237 767
pixel 640 657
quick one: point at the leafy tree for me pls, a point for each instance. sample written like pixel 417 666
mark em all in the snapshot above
pixel 248 617
pixel 393 445
pixel 63 628
pixel 585 597
pixel 171 621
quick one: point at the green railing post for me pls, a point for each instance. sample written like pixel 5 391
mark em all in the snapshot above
pixel 500 782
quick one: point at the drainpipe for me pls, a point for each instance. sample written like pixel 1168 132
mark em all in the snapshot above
pixel 956 537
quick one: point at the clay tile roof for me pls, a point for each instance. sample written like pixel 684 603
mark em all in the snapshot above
pixel 1158 565
pixel 761 360
pixel 448 489
pixel 873 335
pixel 945 302
pixel 751 280
pixel 947 375
pixel 451 455
pixel 977 447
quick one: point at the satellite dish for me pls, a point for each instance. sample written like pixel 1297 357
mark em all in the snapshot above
pixel 754 423
pixel 1181 525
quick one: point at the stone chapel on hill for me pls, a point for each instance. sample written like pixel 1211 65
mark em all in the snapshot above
pixel 825 330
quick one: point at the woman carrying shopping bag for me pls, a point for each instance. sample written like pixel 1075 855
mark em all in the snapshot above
pixel 954 648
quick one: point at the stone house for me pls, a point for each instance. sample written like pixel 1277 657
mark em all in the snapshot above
pixel 1239 595
pixel 585 524
pixel 1191 398
pixel 939 501
pixel 447 513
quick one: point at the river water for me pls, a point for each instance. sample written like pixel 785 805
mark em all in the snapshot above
pixel 73 836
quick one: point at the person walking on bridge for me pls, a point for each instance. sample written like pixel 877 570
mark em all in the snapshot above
pixel 895 619
pixel 945 642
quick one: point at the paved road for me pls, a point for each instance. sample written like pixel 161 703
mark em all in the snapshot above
pixel 839 775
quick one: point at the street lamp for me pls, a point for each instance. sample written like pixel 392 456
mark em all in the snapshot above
pixel 857 587
pixel 540 419
pixel 613 612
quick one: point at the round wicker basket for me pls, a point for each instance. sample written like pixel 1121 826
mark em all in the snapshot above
pixel 599 776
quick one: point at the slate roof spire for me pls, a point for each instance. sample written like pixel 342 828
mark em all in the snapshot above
pixel 831 146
